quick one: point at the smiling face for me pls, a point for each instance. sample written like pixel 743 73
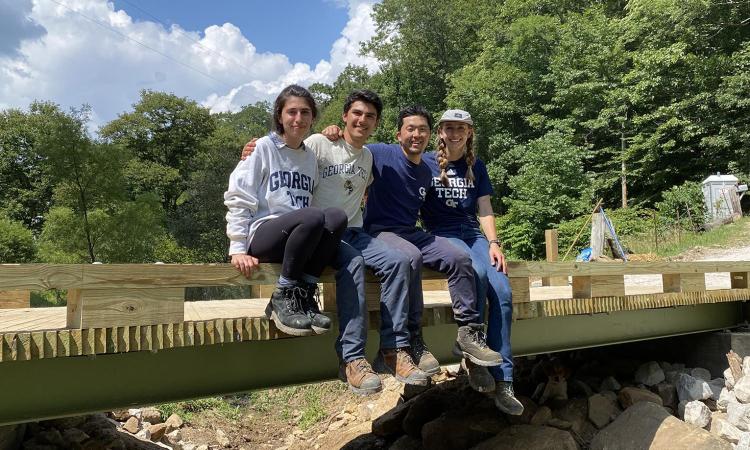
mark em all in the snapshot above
pixel 296 118
pixel 455 135
pixel 360 122
pixel 414 135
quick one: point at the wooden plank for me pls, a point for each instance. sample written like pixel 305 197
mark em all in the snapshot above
pixel 329 297
pixel 23 347
pixel 88 338
pixel 685 282
pixel 538 268
pixel 168 339
pixel 597 235
pixel 101 308
pixel 15 299
pixel 74 312
pixel 608 286
pixel 37 345
pixel 262 290
pixel 520 291
pixel 63 343
pixel 76 343
pixel 147 338
pixel 50 344
pixel 435 285
pixel 551 255
pixel 740 280
pixel 581 287
pixel 40 277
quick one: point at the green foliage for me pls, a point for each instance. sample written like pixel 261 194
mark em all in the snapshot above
pixel 125 232
pixel 683 206
pixel 550 186
pixel 16 243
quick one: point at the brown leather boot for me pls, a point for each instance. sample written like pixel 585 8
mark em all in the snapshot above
pixel 398 362
pixel 359 375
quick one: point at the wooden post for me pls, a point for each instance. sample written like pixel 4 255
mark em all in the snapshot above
pixel 551 250
pixel 597 235
pixel 598 286
pixel 683 282
pixel 519 287
pixel 15 299
pixel 740 280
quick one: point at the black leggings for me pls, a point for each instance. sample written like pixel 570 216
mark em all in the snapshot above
pixel 303 241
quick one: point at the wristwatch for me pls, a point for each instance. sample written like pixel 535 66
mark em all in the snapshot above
pixel 496 241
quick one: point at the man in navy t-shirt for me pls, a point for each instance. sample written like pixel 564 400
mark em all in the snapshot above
pixel 399 188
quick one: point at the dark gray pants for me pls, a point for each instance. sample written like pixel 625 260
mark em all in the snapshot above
pixel 440 255
pixel 357 251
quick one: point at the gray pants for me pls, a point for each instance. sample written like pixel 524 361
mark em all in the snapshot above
pixel 440 255
pixel 357 251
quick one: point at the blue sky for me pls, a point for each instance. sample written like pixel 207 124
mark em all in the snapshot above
pixel 223 54
pixel 259 20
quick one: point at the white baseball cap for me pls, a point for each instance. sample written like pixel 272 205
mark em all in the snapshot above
pixel 456 115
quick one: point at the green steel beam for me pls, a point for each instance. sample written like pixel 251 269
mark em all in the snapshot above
pixel 56 387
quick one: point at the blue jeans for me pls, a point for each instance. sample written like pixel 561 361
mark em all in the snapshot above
pixel 357 251
pixel 438 254
pixel 496 287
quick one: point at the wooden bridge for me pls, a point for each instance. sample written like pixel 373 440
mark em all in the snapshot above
pixel 127 337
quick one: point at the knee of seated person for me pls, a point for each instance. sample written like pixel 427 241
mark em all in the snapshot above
pixel 335 218
pixel 314 218
pixel 480 272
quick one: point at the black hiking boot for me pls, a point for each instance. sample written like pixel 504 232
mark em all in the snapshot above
pixel 320 322
pixel 287 311
pixel 472 345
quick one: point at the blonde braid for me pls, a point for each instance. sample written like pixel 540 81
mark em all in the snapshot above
pixel 471 158
pixel 442 160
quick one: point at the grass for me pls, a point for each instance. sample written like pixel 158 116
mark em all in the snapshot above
pixel 188 410
pixel 303 405
pixel 737 233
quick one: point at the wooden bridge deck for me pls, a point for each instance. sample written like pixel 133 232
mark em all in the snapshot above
pixel 127 320
pixel 54 318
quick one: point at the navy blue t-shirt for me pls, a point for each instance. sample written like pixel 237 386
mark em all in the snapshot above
pixel 398 189
pixel 456 204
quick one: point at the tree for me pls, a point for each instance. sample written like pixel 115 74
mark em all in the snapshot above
pixel 16 243
pixel 26 192
pixel 163 133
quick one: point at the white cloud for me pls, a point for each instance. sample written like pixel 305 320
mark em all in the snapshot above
pixel 80 59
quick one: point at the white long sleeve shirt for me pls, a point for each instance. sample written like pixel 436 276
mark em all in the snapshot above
pixel 272 181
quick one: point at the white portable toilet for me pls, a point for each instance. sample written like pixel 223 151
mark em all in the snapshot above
pixel 719 192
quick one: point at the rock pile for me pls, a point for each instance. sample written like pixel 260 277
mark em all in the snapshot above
pixel 147 425
pixel 605 410
pixel 120 430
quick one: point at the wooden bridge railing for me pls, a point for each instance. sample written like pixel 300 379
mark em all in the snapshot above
pixel 148 294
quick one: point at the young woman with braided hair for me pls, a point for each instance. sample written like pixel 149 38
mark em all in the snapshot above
pixel 461 188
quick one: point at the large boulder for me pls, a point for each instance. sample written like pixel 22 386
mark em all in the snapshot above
pixel 725 398
pixel 646 425
pixel 690 388
pixel 739 415
pixel 525 437
pixel 668 394
pixel 630 395
pixel 649 374
pixel 697 413
pixel 602 410
pixel 451 431
pixel 742 389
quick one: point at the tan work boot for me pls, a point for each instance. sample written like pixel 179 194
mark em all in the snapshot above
pixel 423 358
pixel 359 375
pixel 398 362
